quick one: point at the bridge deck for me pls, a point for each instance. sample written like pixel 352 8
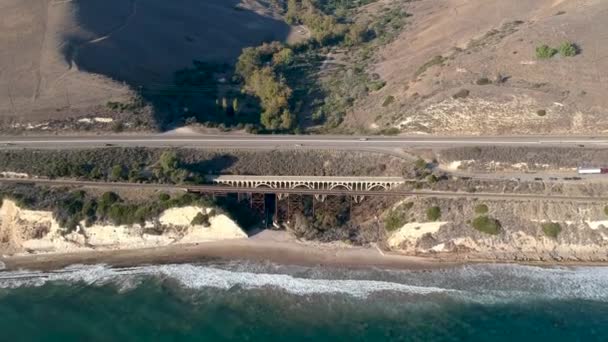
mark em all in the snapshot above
pixel 306 179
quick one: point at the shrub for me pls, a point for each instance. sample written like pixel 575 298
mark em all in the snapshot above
pixel 388 101
pixel 606 210
pixel 433 213
pixel 376 85
pixel 487 225
pixel 568 49
pixel 461 94
pixel 432 179
pixel 483 81
pixel 395 220
pixel 541 112
pixel 481 209
pixel 201 219
pixel 545 51
pixel 552 229
pixel 164 197
pixel 421 164
pixel 437 60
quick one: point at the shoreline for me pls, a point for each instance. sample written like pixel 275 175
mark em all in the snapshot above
pixel 272 247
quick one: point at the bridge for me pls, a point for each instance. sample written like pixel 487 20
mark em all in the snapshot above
pixel 355 184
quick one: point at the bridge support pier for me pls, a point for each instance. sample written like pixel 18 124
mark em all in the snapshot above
pixel 258 204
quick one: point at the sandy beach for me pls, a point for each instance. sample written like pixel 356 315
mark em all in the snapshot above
pixel 269 246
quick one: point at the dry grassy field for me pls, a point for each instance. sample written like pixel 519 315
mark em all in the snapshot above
pixel 67 59
pixel 485 50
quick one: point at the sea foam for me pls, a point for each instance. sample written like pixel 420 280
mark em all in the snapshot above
pixel 483 284
pixel 196 277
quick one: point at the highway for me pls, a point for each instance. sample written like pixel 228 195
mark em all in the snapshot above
pixel 291 141
pixel 215 189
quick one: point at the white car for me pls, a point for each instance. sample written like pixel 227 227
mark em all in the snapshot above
pixel 363 139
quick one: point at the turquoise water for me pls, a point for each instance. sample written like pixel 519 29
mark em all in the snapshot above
pixel 244 301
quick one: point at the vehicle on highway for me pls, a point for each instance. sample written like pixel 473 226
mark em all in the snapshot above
pixel 363 139
pixel 592 170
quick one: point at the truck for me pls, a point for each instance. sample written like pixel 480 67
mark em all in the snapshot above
pixel 592 170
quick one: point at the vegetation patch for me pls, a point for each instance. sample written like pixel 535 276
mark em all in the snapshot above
pixel 388 101
pixel 481 209
pixel 487 225
pixel 568 49
pixel 552 229
pixel 541 112
pixel 483 81
pixel 433 213
pixel 395 220
pixel 397 217
pixel 201 219
pixel 544 51
pixel 437 60
pixel 461 94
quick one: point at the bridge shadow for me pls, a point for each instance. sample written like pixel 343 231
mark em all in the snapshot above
pixel 178 55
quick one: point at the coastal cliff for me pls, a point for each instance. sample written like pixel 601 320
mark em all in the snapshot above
pixel 37 231
pixel 499 230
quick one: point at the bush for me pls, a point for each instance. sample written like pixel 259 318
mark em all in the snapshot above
pixel 606 210
pixel 541 112
pixel 483 81
pixel 395 220
pixel 545 51
pixel 433 213
pixel 552 229
pixel 437 60
pixel 201 219
pixel 461 94
pixel 487 225
pixel 568 49
pixel 481 209
pixel 388 101
pixel 432 179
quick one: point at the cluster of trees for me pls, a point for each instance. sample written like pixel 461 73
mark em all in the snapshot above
pixel 260 68
pixel 168 169
pixel 76 207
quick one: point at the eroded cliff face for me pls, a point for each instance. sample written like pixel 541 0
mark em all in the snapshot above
pixel 30 231
pixel 582 236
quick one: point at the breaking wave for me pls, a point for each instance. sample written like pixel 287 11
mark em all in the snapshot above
pixel 195 277
pixel 484 284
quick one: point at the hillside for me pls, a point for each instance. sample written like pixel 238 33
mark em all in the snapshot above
pixel 470 67
pixel 62 60
pixel 322 66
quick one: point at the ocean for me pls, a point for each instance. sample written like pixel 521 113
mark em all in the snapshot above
pixel 247 301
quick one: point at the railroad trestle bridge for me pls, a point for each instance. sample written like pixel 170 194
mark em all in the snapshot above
pixel 355 184
pixel 303 194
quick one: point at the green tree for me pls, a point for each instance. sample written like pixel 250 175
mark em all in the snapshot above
pixel 224 105
pixel 284 57
pixel 356 34
pixel 168 162
pixel 235 106
pixel 249 61
pixel 117 173
pixel 274 95
pixel 433 213
pixel 291 15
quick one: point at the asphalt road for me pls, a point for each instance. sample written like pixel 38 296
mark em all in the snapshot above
pixel 215 189
pixel 292 141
